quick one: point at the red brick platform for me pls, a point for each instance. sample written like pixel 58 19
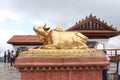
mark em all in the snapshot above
pixel 32 68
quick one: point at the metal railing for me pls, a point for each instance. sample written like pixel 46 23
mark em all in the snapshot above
pixel 113 54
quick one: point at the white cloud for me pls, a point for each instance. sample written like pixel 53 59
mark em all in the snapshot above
pixel 4 14
pixel 38 22
pixel 5 36
pixel 114 42
pixel 43 22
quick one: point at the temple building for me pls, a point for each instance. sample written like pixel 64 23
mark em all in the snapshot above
pixel 25 41
pixel 96 30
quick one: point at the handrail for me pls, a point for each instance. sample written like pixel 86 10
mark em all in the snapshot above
pixel 113 53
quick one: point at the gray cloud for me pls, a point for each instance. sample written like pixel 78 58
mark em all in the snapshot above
pixel 63 12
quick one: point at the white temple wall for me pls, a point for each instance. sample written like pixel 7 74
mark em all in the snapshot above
pixel 101 43
pixel 25 46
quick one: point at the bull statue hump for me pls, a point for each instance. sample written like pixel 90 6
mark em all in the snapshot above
pixel 59 39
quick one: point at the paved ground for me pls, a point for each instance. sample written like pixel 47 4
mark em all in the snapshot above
pixel 112 72
pixel 8 73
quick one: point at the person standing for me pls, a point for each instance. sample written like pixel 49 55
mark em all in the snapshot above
pixel 118 67
pixel 5 55
pixel 104 73
pixel 17 53
pixel 12 58
pixel 8 56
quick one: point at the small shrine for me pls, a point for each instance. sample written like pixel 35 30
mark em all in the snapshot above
pixel 64 55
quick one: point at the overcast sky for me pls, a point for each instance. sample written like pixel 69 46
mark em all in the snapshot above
pixel 19 16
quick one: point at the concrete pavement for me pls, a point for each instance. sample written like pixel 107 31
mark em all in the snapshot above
pixel 8 72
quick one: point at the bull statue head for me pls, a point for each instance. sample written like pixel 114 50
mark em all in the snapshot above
pixel 41 31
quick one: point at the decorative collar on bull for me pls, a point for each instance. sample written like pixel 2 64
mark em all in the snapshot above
pixel 59 39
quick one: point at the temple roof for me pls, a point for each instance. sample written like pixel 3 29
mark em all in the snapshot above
pixel 91 27
pixel 94 28
pixel 25 39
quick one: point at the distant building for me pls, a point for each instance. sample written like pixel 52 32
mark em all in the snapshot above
pixel 25 41
pixel 96 30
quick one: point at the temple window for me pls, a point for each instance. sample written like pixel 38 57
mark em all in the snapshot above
pixel 87 25
pixel 94 25
pixel 97 26
pixel 90 25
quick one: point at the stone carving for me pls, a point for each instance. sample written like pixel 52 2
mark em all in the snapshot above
pixel 63 53
pixel 59 39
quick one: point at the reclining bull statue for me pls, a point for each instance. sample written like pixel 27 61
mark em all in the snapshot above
pixel 58 38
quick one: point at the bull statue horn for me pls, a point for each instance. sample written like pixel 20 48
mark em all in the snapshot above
pixel 47 28
pixel 44 25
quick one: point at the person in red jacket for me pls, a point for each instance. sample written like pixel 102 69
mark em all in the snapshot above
pixel 104 73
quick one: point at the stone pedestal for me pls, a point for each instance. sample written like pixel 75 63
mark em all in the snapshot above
pixel 57 65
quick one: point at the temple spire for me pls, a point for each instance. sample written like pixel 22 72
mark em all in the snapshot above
pixel 90 15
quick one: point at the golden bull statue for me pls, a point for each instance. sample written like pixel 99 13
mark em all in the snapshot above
pixel 58 38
